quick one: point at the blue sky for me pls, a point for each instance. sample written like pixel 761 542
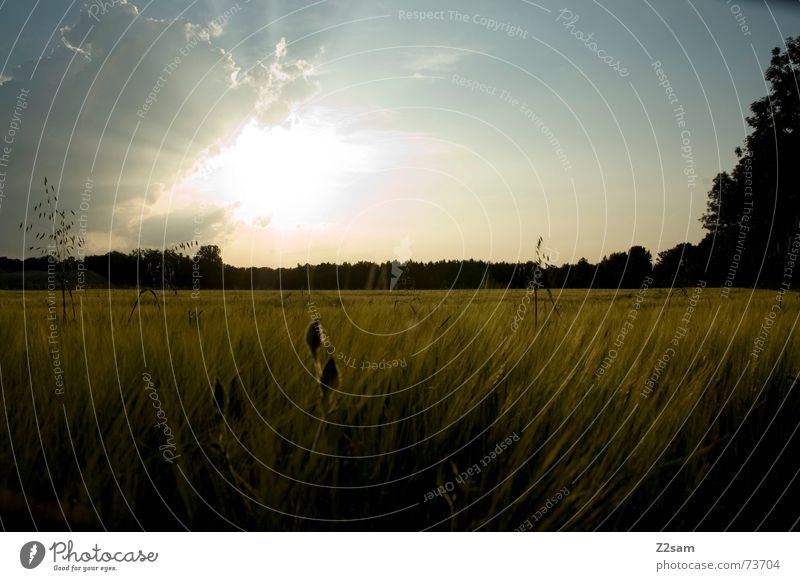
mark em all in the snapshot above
pixel 328 131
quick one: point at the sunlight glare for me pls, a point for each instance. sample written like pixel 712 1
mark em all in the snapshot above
pixel 286 175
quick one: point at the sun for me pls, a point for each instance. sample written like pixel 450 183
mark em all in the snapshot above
pixel 285 175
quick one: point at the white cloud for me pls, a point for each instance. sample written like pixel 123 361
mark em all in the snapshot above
pixel 433 60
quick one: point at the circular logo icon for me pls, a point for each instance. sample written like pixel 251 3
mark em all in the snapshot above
pixel 31 554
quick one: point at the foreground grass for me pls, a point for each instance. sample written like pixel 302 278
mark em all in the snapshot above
pixel 450 414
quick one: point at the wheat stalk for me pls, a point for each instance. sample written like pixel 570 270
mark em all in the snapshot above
pixel 327 377
pixel 228 405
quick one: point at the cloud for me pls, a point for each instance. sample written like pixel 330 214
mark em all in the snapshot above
pixel 279 84
pixel 432 60
pixel 184 224
pixel 130 103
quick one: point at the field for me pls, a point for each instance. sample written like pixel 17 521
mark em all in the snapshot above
pixel 637 409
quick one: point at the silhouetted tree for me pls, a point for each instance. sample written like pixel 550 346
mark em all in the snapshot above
pixel 640 265
pixel 753 212
pixel 210 265
pixel 611 269
pixel 676 267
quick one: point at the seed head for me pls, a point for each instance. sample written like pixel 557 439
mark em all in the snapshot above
pixel 234 399
pixel 328 381
pixel 219 396
pixel 314 337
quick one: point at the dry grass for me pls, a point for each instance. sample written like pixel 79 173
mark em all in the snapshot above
pixel 466 382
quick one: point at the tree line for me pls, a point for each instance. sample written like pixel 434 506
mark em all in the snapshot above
pixel 206 271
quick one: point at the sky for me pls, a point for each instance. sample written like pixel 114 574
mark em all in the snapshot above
pixel 332 130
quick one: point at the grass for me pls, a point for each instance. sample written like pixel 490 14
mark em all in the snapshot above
pixel 138 438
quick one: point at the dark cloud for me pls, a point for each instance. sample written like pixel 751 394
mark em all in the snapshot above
pixel 205 225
